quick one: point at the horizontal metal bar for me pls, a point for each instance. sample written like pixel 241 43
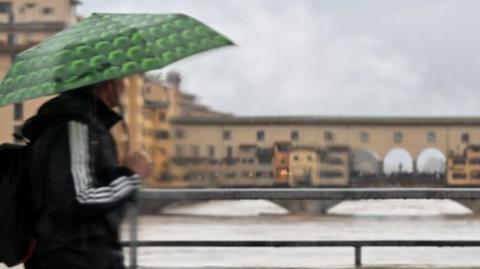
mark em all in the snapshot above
pixel 311 194
pixel 336 243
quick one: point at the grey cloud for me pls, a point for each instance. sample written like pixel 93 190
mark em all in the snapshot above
pixel 366 57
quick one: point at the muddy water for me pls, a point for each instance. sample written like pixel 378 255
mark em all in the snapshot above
pixel 422 220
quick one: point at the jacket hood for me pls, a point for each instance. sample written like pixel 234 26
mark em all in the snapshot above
pixel 80 105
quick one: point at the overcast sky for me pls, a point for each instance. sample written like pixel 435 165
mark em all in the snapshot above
pixel 321 57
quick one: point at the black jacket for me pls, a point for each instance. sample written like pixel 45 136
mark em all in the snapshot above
pixel 78 188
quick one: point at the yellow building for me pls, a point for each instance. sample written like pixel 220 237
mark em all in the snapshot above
pixel 303 162
pixel 335 138
pixel 128 133
pixel 24 23
pixel 164 100
pixel 333 167
pixel 325 166
pixel 464 169
pixel 155 129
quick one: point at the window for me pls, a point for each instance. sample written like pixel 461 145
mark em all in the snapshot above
pixel 179 150
pixel 459 175
pixel 260 135
pixel 364 137
pixel 294 136
pixel 229 152
pixel 11 39
pixel 331 174
pixel 295 157
pixel 211 151
pixel 5 7
pixel 474 161
pixel 459 160
pixel 474 148
pixel 146 114
pixel 18 111
pixel 431 137
pixel 195 151
pixel 283 147
pixel 29 38
pixel 161 116
pixel 335 161
pixel 465 138
pixel 309 158
pixel 161 134
pixel 227 135
pixel 328 136
pixel 230 174
pixel 47 10
pixel 265 156
pixel 475 174
pixel 31 5
pixel 179 134
pixel 397 137
pixel 248 174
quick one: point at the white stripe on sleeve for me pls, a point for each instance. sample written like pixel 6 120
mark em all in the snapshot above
pixel 82 176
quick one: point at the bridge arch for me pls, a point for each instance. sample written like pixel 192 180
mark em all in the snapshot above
pixel 365 162
pixel 398 161
pixel 431 161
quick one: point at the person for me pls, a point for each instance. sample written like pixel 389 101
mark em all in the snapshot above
pixel 77 187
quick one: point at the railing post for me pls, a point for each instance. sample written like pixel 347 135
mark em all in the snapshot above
pixel 133 234
pixel 358 256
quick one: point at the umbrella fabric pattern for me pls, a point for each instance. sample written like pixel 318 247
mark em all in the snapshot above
pixel 103 47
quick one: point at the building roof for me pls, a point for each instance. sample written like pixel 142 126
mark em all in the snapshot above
pixel 327 120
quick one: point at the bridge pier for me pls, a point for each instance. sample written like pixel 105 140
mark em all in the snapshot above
pixel 473 205
pixel 307 206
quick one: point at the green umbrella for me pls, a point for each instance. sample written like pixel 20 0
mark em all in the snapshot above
pixel 103 47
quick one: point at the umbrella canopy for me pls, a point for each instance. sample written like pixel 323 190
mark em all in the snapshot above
pixel 103 47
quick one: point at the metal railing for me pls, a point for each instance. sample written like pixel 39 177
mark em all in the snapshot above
pixel 298 194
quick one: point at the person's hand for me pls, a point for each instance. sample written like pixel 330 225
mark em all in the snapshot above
pixel 140 163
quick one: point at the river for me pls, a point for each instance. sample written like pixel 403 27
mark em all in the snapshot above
pixel 392 219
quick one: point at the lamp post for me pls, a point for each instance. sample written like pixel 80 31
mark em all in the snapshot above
pixel 11 34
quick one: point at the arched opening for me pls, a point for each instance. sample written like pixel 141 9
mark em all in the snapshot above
pixel 365 163
pixel 431 167
pixel 397 162
pixel 431 161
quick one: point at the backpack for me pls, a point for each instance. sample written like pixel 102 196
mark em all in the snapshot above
pixel 16 215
